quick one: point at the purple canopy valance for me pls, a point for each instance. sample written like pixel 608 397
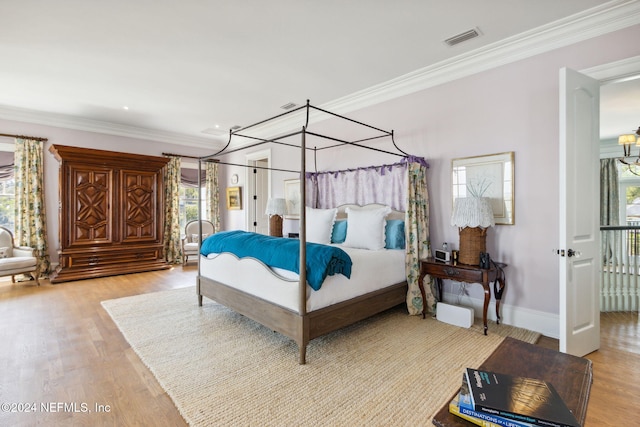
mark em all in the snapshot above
pixel 384 184
pixel 380 168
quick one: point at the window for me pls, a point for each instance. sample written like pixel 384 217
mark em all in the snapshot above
pixel 629 188
pixel 189 204
pixel 7 203
pixel 629 194
pixel 189 194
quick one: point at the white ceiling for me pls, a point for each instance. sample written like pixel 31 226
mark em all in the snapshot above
pixel 184 67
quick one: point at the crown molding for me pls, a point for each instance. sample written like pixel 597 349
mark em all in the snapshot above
pixel 594 22
pixel 612 16
pixel 83 124
pixel 615 72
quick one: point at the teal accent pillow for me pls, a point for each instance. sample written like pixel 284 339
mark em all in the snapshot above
pixel 339 233
pixel 394 234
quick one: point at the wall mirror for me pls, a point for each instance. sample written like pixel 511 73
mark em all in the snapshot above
pixel 487 176
pixel 292 198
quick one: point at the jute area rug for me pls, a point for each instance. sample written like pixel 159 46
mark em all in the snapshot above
pixel 221 368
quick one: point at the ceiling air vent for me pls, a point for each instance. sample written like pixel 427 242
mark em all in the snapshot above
pixel 459 38
pixel 289 106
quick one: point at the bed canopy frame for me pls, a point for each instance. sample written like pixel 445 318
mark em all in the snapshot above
pixel 300 326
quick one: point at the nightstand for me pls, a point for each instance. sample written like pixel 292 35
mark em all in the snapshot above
pixel 469 274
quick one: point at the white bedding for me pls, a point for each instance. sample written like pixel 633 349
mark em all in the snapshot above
pixel 371 270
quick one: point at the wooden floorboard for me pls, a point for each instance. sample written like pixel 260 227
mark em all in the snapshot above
pixel 59 346
pixel 616 371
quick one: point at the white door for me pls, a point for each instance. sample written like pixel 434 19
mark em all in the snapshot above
pixel 579 213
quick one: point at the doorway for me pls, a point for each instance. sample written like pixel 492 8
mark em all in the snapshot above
pixel 619 329
pixel 619 316
pixel 258 190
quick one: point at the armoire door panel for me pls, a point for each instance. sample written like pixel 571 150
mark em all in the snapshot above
pixel 91 201
pixel 141 203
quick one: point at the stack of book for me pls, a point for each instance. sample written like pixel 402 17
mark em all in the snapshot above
pixel 490 399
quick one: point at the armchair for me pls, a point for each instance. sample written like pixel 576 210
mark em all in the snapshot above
pixel 191 239
pixel 17 259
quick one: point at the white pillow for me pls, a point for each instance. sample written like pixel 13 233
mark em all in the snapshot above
pixel 320 225
pixel 365 228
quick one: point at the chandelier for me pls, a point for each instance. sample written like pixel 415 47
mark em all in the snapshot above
pixel 627 140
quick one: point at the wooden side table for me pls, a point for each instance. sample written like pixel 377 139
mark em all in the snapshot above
pixel 465 273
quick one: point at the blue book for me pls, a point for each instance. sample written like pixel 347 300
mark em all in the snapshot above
pixel 529 400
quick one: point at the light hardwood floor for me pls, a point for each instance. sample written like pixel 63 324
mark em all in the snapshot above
pixel 59 346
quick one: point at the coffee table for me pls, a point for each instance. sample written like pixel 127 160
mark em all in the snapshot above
pixel 571 376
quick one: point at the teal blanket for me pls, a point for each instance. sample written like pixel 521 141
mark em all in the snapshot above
pixel 322 260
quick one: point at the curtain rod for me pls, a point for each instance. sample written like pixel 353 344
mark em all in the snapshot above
pixel 189 157
pixel 10 135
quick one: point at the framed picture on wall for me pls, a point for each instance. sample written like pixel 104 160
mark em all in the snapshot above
pixel 234 198
pixel 292 197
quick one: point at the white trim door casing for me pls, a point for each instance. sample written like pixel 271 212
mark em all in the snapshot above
pixel 579 213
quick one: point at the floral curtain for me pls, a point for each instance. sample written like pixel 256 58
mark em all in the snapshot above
pixel 609 207
pixel 402 186
pixel 172 243
pixel 30 216
pixel 417 235
pixel 213 194
pixel 609 192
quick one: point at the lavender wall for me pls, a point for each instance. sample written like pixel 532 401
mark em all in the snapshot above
pixel 510 108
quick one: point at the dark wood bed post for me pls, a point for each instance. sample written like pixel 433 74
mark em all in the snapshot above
pixel 303 339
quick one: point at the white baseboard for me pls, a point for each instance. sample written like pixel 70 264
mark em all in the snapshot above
pixel 546 324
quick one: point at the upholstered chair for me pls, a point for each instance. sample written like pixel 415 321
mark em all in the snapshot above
pixel 17 259
pixel 191 239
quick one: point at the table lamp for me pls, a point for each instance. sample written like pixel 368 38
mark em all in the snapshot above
pixel 473 216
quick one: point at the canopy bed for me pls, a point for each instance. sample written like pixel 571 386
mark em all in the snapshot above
pixel 373 268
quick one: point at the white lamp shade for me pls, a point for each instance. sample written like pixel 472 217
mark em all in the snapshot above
pixel 627 139
pixel 276 206
pixel 472 212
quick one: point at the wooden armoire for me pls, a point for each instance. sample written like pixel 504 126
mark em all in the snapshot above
pixel 111 212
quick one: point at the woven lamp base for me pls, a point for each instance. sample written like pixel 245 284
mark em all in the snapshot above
pixel 275 226
pixel 472 242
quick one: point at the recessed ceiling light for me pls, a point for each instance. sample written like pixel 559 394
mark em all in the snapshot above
pixel 219 130
pixel 215 130
pixel 125 108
